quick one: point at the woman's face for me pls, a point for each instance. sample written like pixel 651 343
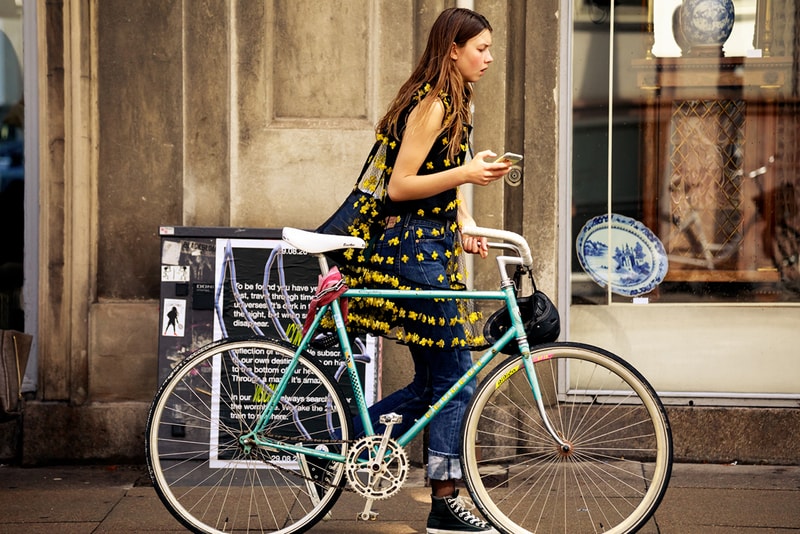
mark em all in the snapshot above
pixel 474 57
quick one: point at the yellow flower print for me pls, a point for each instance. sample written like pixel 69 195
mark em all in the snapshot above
pixel 440 343
pixel 446 162
pixel 421 212
pixel 448 253
pixel 390 260
pixel 434 255
pixel 441 278
pixel 420 257
pixel 437 209
pixel 445 140
pixel 394 144
pixel 419 233
pixel 405 236
pixel 404 259
pixel 429 165
pixel 394 241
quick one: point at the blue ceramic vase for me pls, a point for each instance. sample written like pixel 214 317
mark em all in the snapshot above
pixel 706 23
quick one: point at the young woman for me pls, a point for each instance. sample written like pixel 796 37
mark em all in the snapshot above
pixel 423 149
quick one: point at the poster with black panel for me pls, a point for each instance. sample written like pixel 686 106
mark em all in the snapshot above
pixel 231 283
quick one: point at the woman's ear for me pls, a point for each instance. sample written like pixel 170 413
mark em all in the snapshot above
pixel 454 52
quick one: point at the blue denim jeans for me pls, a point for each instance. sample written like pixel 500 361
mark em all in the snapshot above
pixel 435 372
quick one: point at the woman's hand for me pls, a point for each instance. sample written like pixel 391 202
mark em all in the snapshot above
pixel 472 244
pixel 482 172
pixel 475 245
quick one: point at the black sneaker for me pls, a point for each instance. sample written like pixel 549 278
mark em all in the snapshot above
pixel 451 515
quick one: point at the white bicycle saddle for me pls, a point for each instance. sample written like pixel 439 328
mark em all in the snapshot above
pixel 315 243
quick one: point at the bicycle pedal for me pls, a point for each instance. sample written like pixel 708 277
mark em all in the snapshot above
pixel 391 419
pixel 367 515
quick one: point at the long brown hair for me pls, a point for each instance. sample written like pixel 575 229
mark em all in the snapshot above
pixel 454 25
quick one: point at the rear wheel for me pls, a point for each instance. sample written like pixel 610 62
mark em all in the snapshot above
pixel 619 461
pixel 207 478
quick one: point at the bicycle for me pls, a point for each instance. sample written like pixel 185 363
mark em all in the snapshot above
pixel 254 435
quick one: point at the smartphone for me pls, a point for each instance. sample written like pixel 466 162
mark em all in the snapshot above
pixel 510 158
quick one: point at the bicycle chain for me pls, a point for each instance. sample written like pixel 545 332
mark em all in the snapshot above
pixel 297 473
pixel 323 483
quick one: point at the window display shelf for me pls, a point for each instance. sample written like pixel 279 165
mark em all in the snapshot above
pixel 708 168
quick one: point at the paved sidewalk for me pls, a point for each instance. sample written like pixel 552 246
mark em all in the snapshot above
pixel 707 499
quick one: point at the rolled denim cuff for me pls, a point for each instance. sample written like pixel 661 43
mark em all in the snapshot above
pixel 443 467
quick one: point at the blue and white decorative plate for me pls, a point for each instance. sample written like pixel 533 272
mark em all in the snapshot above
pixel 638 262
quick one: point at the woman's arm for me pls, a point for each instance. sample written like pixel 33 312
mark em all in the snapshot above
pixel 423 127
pixel 471 244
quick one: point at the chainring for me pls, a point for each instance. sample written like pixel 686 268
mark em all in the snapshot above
pixel 376 478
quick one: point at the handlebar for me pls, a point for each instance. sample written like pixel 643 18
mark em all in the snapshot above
pixel 504 235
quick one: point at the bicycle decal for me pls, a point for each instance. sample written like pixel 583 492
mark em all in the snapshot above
pixel 506 376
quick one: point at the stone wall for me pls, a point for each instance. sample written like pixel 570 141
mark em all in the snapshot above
pixel 212 113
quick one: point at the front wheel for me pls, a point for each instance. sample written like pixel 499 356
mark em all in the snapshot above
pixel 617 467
pixel 213 481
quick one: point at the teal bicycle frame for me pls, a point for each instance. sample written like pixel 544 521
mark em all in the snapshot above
pixel 506 293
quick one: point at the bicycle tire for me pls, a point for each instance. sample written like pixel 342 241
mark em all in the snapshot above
pixel 621 459
pixel 199 469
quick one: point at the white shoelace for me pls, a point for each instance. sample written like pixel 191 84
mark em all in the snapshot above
pixel 463 509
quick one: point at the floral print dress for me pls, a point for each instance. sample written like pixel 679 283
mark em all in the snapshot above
pixel 418 247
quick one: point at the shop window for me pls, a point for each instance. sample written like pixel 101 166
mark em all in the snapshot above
pixel 686 138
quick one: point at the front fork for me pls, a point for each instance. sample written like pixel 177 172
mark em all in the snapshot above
pixel 533 381
pixel 528 362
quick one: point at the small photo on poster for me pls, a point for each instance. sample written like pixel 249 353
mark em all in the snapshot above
pixel 174 317
pixel 174 273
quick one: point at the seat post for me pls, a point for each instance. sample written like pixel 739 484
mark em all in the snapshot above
pixel 323 264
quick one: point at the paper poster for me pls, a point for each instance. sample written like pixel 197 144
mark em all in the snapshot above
pixel 174 317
